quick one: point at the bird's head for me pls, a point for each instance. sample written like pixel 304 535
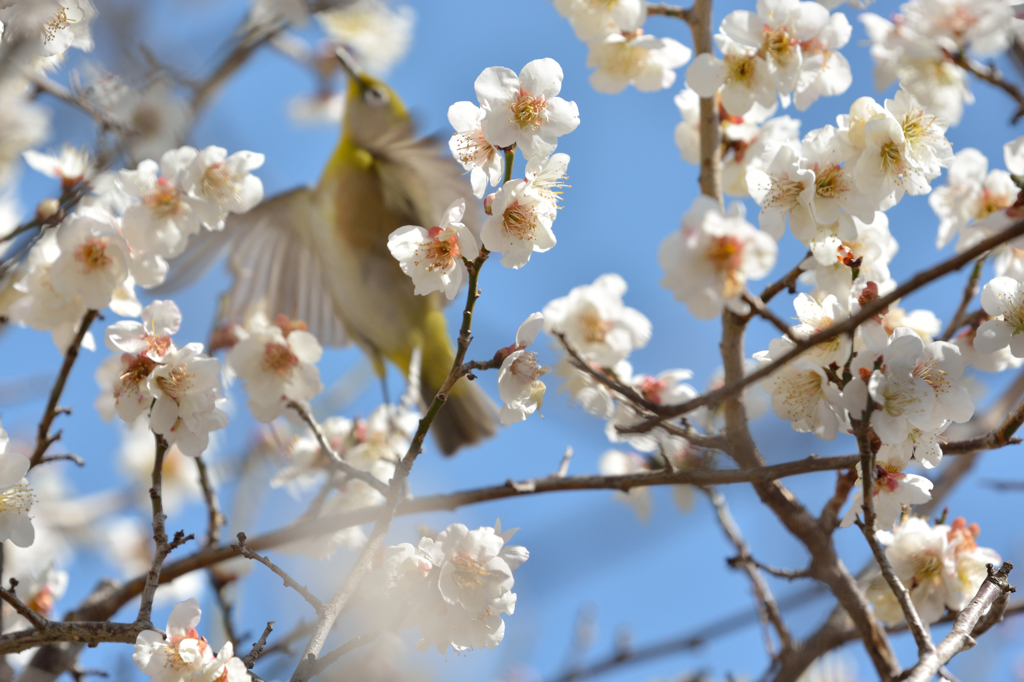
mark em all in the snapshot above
pixel 371 107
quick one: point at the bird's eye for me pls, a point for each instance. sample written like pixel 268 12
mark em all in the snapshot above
pixel 375 97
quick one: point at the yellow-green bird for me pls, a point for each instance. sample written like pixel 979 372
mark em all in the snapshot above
pixel 320 254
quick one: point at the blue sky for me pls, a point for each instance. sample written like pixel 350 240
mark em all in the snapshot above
pixel 629 189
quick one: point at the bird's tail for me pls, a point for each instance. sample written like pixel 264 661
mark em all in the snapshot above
pixel 469 416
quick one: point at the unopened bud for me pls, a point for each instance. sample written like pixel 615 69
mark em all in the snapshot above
pixel 488 201
pixel 47 209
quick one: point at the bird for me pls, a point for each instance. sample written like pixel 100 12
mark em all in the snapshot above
pixel 319 254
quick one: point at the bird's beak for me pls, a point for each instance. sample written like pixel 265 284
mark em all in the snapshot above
pixel 349 66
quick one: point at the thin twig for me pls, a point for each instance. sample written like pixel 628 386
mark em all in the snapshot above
pixel 102 117
pixel 336 459
pixel 258 646
pixel 765 600
pixel 37 620
pixel 349 646
pixel 63 458
pixel 917 627
pixel 787 282
pixel 758 307
pixel 214 517
pixel 666 10
pixel 959 638
pixel 289 581
pixel 992 75
pixel 970 291
pixel 43 437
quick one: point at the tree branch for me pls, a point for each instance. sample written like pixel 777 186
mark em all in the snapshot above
pixel 289 581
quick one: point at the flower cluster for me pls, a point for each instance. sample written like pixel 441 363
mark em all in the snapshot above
pixel 181 655
pixel 435 258
pixel 180 387
pixel 921 45
pixel 942 566
pixel 621 53
pixel 277 362
pixel 786 47
pixel 454 587
pixel 95 257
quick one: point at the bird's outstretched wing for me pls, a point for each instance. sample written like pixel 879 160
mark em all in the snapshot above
pixel 272 257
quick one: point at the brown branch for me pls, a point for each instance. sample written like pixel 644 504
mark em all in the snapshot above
pixel 289 581
pixel 996 585
pixel 991 75
pixel 43 437
pixel 336 459
pixel 758 307
pixel 37 620
pixel 787 282
pixel 163 546
pixel 666 10
pixel 847 326
pixel 214 517
pixel 351 645
pixel 970 291
pixel 867 469
pixel 63 458
pixel 765 599
pixel 258 646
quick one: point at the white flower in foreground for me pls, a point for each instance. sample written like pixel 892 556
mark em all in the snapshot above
pixel 226 667
pixel 802 394
pixel 905 398
pixel 892 491
pixel 618 463
pixel 546 177
pixel 744 75
pixel 186 389
pixel 519 383
pixel 519 224
pixel 277 362
pixel 219 184
pixel 485 162
pixel 60 25
pixel 150 337
pixel 162 221
pixel 594 20
pixel 93 259
pixel 969 563
pixel 433 258
pixel 708 261
pixel 1003 299
pixel 454 588
pixel 15 496
pixel 647 62
pixel 825 72
pixel 818 316
pixel 178 656
pixel 596 323
pixel 71 166
pixel 524 110
pixel 922 559
pixel 784 188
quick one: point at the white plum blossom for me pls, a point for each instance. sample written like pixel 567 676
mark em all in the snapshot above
pixel 277 362
pixel 1003 299
pixel 519 384
pixel 825 72
pixel 783 188
pixel 71 165
pixel 484 161
pixel 16 497
pixel 668 388
pixel 454 588
pixel 219 184
pixel 816 316
pixel 892 490
pixel 93 259
pixel 519 224
pixel 178 655
pixel 524 110
pixel 434 258
pixel 595 20
pixel 185 388
pixel 545 177
pixel 802 393
pixel 596 323
pixel 151 336
pixel 60 24
pixel 867 245
pixel 639 59
pixel 742 76
pixel 39 305
pixel 161 222
pixel 708 261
